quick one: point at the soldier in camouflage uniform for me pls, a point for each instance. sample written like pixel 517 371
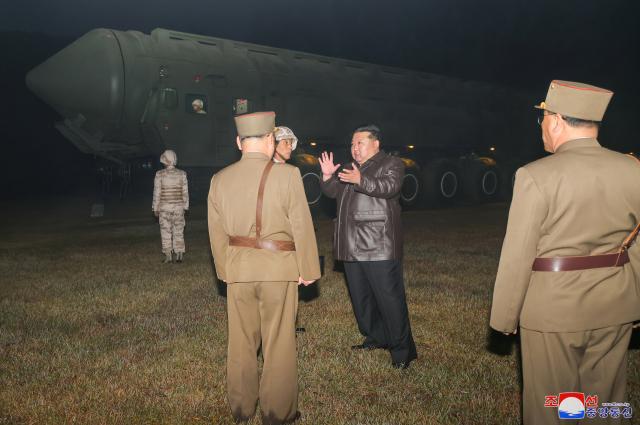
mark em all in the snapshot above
pixel 286 143
pixel 170 201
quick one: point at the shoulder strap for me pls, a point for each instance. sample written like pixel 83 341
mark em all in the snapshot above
pixel 263 181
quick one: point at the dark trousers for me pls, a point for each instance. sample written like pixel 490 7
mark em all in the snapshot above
pixel 380 306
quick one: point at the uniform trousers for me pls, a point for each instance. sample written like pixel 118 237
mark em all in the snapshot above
pixel 379 303
pixel 172 231
pixel 262 314
pixel 593 362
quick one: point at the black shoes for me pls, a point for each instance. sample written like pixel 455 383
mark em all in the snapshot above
pixel 400 365
pixel 369 347
pixel 396 365
pixel 300 330
pixel 404 364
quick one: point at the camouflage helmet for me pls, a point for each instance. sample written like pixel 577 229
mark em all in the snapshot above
pixel 282 132
pixel 169 158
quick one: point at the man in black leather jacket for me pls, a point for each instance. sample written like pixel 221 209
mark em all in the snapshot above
pixel 368 238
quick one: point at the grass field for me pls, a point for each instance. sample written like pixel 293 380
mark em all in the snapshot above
pixel 95 330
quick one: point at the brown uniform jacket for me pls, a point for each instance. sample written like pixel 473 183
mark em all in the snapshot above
pixel 368 226
pixel 285 216
pixel 582 200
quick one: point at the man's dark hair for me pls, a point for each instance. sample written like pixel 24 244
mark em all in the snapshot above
pixel 577 122
pixel 374 131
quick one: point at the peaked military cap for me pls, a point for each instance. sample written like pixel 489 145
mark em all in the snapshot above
pixel 256 124
pixel 576 100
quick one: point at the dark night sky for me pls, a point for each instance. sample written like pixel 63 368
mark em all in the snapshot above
pixel 520 43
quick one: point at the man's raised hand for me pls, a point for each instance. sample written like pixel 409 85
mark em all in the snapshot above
pixel 350 176
pixel 327 166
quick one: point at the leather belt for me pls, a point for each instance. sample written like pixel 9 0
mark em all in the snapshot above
pixel 262 243
pixel 565 264
pixel 257 242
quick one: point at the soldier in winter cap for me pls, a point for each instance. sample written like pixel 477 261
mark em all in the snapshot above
pixel 263 246
pixel 567 278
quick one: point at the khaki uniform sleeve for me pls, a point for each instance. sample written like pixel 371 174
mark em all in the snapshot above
pixel 302 227
pixel 217 236
pixel 157 186
pixel 527 212
pixel 634 259
pixel 634 249
pixel 185 191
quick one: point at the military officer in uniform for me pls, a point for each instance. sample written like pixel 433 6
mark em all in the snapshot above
pixel 170 201
pixel 569 271
pixel 264 246
pixel 286 143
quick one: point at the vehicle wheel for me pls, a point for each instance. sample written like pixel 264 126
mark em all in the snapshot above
pixel 480 182
pixel 507 174
pixel 440 183
pixel 410 191
pixel 311 179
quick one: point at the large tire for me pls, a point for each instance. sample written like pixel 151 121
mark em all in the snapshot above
pixel 311 182
pixel 480 181
pixel 507 174
pixel 311 179
pixel 410 191
pixel 440 183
